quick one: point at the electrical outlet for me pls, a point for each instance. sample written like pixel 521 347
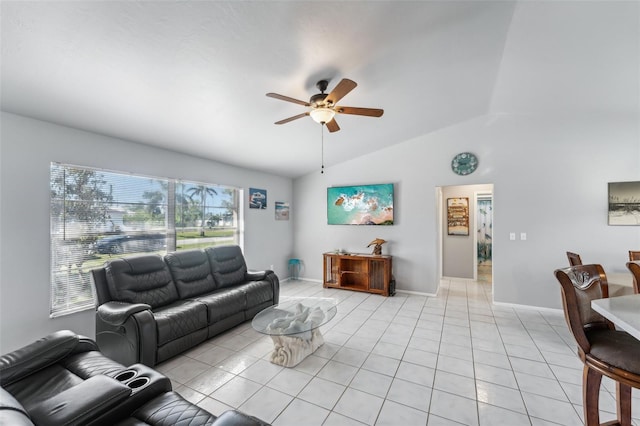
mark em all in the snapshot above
pixel 271 267
pixel 523 236
pixel 512 236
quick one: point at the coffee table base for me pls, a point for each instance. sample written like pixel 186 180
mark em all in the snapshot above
pixel 289 351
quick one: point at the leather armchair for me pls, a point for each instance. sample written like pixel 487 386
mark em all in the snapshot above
pixel 62 379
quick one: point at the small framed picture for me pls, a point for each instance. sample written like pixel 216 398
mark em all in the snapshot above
pixel 282 210
pixel 257 198
pixel 458 216
pixel 624 203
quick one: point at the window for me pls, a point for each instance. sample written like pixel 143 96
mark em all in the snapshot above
pixel 98 215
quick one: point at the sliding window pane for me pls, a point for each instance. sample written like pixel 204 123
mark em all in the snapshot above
pixel 96 216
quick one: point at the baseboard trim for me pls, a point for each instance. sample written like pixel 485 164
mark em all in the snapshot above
pixel 529 307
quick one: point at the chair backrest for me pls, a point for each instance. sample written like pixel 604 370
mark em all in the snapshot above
pixel 580 285
pixel 634 267
pixel 634 255
pixel 574 259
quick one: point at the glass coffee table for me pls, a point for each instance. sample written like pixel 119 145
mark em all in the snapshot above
pixel 294 326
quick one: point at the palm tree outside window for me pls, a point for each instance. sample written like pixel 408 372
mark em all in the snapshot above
pixel 202 192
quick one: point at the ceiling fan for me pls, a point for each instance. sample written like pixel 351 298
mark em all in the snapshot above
pixel 323 106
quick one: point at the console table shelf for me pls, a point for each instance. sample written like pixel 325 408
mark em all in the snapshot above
pixel 359 272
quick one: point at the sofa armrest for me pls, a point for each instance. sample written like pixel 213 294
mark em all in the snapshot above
pixel 275 283
pixel 38 355
pixel 267 275
pixel 256 275
pixel 81 403
pixel 116 313
pixel 237 418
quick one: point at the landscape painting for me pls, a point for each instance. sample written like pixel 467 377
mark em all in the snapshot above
pixel 360 205
pixel 624 203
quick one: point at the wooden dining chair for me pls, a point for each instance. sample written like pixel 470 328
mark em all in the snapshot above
pixel 634 267
pixel 574 259
pixel 634 255
pixel 604 350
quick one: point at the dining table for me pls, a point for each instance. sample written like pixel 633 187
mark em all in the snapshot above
pixel 623 311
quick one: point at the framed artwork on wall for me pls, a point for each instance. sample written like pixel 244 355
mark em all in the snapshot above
pixel 624 203
pixel 360 205
pixel 257 198
pixel 282 210
pixel 458 216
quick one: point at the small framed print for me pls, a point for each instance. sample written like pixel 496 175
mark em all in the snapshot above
pixel 458 216
pixel 282 210
pixel 257 198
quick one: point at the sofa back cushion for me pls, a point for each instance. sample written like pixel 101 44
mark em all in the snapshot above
pixel 142 279
pixel 227 265
pixel 191 272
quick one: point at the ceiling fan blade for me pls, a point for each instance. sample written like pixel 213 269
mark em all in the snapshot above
pixel 369 112
pixel 295 117
pixel 332 126
pixel 288 99
pixel 339 92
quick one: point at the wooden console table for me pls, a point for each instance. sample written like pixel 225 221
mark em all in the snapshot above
pixel 358 272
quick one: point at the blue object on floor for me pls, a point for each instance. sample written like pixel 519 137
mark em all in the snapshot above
pixel 294 268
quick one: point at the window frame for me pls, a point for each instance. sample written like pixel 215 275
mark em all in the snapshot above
pixel 70 294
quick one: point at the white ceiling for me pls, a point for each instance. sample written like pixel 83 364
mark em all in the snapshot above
pixel 192 76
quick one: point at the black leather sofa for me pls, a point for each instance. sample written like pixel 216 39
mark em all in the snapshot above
pixel 152 308
pixel 62 379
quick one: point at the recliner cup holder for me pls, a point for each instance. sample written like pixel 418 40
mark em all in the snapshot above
pixel 138 383
pixel 126 375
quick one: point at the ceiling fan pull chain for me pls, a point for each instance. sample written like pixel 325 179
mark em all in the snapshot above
pixel 322 147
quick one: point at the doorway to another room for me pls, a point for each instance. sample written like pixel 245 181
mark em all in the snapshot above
pixel 484 237
pixel 465 239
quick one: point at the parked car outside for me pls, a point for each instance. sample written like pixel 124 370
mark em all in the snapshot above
pixel 129 243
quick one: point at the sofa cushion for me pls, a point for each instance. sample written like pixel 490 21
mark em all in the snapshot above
pixel 142 279
pixel 222 304
pixel 179 319
pixel 191 272
pixel 227 265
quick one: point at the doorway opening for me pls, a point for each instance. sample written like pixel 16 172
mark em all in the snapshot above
pixel 465 233
pixel 484 237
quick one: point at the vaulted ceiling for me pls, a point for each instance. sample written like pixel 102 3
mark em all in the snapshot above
pixel 192 76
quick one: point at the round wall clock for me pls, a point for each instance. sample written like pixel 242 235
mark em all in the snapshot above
pixel 464 163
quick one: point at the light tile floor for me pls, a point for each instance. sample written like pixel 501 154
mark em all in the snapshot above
pixel 403 360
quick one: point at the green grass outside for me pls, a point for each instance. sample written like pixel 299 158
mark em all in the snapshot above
pixel 207 233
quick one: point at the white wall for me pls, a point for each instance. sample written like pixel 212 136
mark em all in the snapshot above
pixel 550 180
pixel 28 146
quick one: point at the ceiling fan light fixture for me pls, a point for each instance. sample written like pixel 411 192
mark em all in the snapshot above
pixel 322 115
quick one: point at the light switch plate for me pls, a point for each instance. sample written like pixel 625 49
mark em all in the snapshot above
pixel 512 236
pixel 523 236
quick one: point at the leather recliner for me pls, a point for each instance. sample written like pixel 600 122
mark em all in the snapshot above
pixel 152 308
pixel 62 379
